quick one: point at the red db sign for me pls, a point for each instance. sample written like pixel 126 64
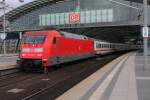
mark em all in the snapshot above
pixel 74 17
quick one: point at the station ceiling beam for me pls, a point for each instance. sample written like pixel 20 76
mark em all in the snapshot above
pixel 139 1
pixel 28 8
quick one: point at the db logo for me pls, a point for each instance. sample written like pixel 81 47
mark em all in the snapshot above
pixel 74 17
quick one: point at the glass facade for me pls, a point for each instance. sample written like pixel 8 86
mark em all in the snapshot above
pixel 92 11
pixel 93 16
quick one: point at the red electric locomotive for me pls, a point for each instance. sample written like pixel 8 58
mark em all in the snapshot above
pixel 47 48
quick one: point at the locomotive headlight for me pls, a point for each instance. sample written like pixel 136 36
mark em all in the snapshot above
pixel 38 50
pixel 25 50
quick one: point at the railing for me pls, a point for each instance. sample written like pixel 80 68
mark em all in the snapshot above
pixel 12 46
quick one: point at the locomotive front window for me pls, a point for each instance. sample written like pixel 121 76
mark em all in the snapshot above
pixel 39 39
pixel 34 39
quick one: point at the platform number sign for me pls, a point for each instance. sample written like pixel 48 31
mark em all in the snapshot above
pixel 145 31
pixel 74 17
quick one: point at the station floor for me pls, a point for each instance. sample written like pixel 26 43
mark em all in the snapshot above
pixel 125 78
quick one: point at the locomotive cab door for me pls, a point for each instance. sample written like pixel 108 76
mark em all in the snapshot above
pixel 56 49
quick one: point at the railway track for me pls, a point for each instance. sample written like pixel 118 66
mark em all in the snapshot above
pixel 8 71
pixel 67 77
pixel 52 85
pixel 5 82
pixel 9 76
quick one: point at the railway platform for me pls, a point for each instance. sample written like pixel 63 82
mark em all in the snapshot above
pixel 8 61
pixel 125 78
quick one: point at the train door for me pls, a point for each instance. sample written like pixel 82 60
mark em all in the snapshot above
pixel 56 49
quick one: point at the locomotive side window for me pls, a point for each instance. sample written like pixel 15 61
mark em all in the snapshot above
pixel 54 40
